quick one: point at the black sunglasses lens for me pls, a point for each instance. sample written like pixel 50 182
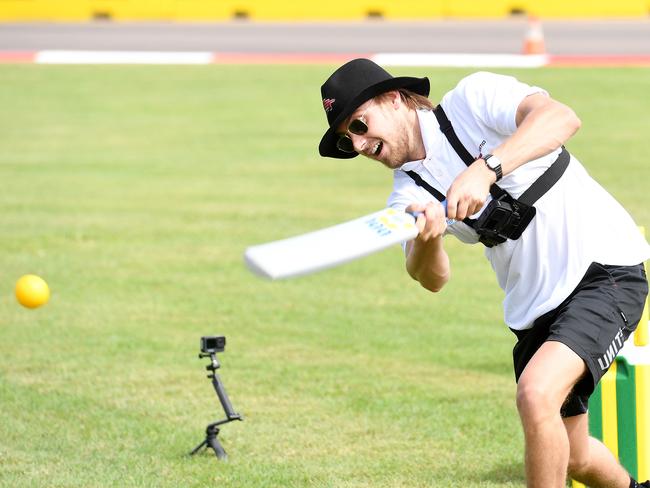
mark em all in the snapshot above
pixel 358 127
pixel 345 144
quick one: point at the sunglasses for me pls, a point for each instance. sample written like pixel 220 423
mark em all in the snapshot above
pixel 356 126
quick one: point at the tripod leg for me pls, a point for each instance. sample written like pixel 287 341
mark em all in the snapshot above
pixel 198 448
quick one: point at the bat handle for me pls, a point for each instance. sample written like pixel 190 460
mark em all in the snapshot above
pixel 444 204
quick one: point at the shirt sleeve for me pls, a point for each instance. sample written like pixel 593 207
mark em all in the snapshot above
pixel 494 99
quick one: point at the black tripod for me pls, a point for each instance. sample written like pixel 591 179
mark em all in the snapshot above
pixel 212 430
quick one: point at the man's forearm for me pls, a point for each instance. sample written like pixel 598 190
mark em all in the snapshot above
pixel 428 263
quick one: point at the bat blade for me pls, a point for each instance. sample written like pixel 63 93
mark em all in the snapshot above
pixel 331 246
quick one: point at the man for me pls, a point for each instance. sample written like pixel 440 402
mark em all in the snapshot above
pixel 567 255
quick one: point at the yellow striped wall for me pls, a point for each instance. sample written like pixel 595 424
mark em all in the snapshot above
pixel 642 420
pixel 330 10
pixel 610 417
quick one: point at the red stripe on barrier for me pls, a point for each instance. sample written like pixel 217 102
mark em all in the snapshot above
pixel 17 57
pixel 600 60
pixel 285 58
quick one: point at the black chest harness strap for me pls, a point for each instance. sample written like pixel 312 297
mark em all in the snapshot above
pixel 505 217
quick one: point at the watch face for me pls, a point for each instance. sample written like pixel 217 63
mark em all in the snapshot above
pixel 493 161
pixel 494 164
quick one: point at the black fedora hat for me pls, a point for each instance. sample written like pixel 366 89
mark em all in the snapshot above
pixel 350 86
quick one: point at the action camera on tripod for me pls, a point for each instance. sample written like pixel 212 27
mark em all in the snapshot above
pixel 210 346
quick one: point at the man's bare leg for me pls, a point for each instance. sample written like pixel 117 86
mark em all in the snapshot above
pixel 543 387
pixel 590 462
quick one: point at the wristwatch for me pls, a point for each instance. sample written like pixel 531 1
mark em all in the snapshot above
pixel 494 163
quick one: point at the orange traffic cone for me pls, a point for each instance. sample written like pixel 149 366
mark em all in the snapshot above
pixel 534 42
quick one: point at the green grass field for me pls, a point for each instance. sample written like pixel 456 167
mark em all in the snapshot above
pixel 134 191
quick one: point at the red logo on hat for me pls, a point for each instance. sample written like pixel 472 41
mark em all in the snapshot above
pixel 328 104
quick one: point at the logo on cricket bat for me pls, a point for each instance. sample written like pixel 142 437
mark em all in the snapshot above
pixel 378 226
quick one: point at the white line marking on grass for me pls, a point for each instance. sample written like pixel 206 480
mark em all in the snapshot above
pixel 122 57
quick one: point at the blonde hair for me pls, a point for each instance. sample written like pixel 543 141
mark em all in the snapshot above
pixel 414 100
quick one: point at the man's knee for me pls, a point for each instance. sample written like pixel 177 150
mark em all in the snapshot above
pixel 532 402
pixel 536 403
pixel 578 463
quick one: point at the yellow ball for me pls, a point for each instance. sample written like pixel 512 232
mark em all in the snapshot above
pixel 32 291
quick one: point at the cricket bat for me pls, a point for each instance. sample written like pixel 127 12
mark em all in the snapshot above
pixel 325 248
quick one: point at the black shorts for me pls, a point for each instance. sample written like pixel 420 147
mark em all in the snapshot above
pixel 594 322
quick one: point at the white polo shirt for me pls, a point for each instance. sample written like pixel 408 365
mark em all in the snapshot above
pixel 577 221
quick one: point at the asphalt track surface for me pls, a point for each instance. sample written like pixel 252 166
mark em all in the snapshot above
pixel 602 37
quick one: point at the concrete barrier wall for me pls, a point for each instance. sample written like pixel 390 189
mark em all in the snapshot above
pixel 66 10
